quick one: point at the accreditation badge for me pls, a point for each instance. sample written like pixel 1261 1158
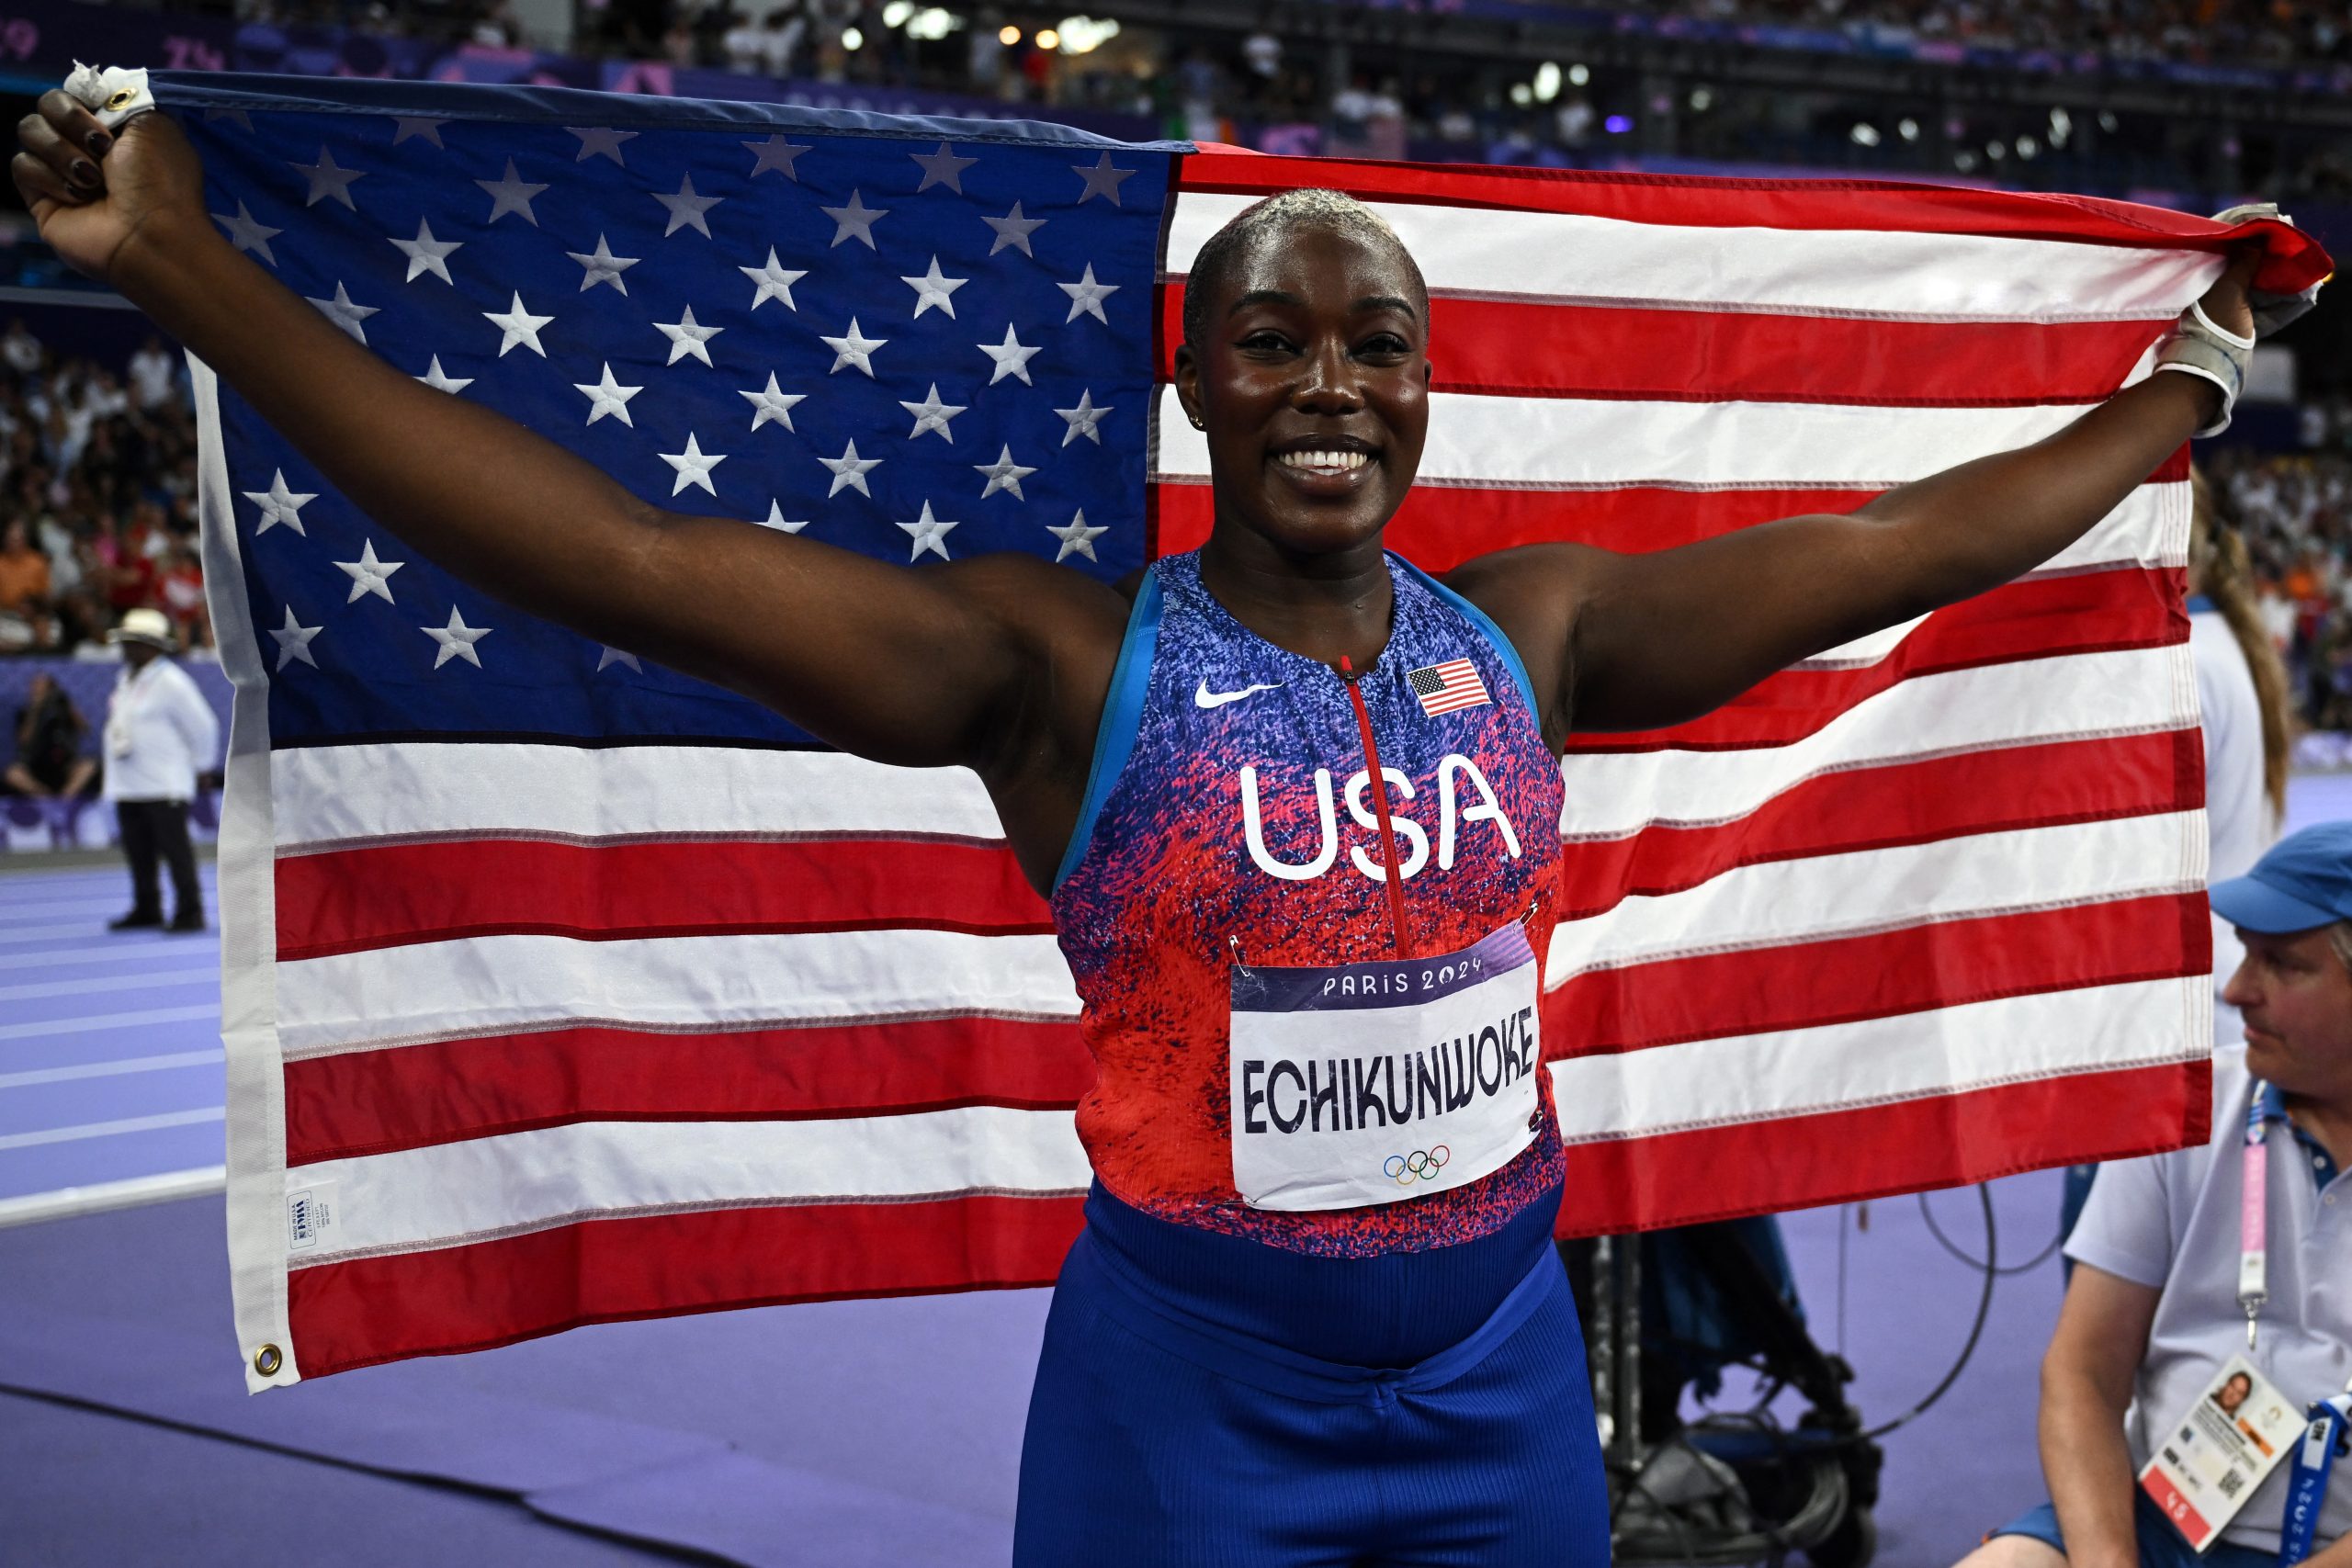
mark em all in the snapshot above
pixel 1373 1083
pixel 2210 1457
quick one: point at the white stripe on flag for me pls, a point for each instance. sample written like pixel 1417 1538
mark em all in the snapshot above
pixel 448 1193
pixel 1779 903
pixel 476 985
pixel 1841 272
pixel 1796 1072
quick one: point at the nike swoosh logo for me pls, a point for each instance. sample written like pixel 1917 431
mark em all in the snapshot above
pixel 1208 699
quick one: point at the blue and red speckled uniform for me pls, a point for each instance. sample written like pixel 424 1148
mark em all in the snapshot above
pixel 1399 1382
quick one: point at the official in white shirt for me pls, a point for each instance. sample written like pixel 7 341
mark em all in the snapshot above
pixel 161 734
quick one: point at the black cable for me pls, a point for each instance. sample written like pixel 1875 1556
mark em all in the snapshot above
pixel 1991 1268
pixel 2036 1261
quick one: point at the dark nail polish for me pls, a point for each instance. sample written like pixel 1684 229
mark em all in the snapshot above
pixel 84 174
pixel 99 142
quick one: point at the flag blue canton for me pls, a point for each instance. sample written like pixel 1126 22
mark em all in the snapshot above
pixel 917 347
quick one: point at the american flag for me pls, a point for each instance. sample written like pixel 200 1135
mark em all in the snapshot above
pixel 560 989
pixel 1445 687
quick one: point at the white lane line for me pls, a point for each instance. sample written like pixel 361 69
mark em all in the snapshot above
pixel 110 1129
pixel 107 1021
pixel 100 1196
pixel 116 951
pixel 75 907
pixel 92 984
pixel 111 1069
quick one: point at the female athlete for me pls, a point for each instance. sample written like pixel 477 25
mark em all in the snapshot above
pixel 1295 806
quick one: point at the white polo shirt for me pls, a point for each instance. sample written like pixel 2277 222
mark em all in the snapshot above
pixel 2171 1222
pixel 160 734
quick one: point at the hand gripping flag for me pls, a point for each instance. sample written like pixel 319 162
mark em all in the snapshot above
pixel 562 988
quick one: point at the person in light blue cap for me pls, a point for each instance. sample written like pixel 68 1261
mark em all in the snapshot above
pixel 2153 1313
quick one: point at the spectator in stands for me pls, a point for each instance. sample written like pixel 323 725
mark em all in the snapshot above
pixel 24 592
pixel 49 766
pixel 19 350
pixel 161 737
pixel 2152 1321
pixel 154 376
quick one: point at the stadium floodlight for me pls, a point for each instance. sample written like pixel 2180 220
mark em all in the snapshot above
pixel 1008 35
pixel 1908 129
pixel 896 13
pixel 1548 82
pixel 1996 151
pixel 2028 146
pixel 1522 94
pixel 1049 39
pixel 1864 134
pixel 1702 99
pixel 1084 35
pixel 1963 159
pixel 931 23
pixel 1578 75
pixel 853 39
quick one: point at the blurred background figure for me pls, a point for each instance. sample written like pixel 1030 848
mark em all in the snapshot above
pixel 160 734
pixel 49 766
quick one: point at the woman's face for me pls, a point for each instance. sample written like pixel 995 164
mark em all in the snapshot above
pixel 1312 385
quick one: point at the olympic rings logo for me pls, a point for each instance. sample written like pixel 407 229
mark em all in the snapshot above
pixel 1421 1164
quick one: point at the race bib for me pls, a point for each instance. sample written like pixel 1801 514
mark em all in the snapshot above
pixel 1372 1083
pixel 2210 1457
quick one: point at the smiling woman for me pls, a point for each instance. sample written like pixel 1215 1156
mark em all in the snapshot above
pixel 1315 1315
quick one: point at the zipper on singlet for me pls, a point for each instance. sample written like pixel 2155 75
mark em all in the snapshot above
pixel 1349 676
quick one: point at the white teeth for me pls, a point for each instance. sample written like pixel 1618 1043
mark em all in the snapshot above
pixel 1327 462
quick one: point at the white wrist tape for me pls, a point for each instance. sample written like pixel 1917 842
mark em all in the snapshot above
pixel 2198 346
pixel 111 93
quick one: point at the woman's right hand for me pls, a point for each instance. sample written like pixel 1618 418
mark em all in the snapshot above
pixel 92 190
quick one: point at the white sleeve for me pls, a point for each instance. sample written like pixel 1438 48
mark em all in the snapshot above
pixel 197 722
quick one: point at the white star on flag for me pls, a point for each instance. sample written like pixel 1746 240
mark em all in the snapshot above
pixel 439 382
pixel 687 336
pixel 942 168
pixel 929 534
pixel 775 153
pixel 1086 297
pixel 1084 420
pixel 1101 180
pixel 408 125
pixel 328 180
pixel 279 504
pixel 1004 474
pixel 345 314
pixel 1010 358
pixel 853 349
pixel 614 656
pixel 369 575
pixel 693 465
pixel 1013 230
pixel 294 642
pixel 776 519
pixel 933 289
pixel 602 266
pixel 426 253
pixel 512 194
pixel 773 403
pixel 775 281
pixel 597 141
pixel 849 471
pixel 518 325
pixel 457 640
pixel 686 209
pixel 247 234
pixel 855 218
pixel 608 396
pixel 932 414
pixel 1076 537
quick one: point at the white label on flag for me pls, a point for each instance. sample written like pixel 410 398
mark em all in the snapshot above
pixel 309 1216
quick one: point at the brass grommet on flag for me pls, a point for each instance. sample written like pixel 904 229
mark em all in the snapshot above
pixel 267 1360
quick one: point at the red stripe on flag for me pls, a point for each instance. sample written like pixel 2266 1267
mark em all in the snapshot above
pixel 2092 612
pixel 1440 526
pixel 1679 1178
pixel 1538 349
pixel 454 1299
pixel 1992 791
pixel 367 1102
pixel 2295 261
pixel 1935 965
pixel 352 900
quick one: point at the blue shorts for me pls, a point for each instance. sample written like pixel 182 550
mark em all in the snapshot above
pixel 1157 1438
pixel 2161 1546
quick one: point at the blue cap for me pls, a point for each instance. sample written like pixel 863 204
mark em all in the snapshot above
pixel 2303 882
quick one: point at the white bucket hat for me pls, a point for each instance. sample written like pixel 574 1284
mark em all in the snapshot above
pixel 145 625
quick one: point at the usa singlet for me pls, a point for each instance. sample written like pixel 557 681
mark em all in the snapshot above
pixel 1228 882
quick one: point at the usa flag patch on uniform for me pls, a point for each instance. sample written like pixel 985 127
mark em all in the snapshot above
pixel 1445 687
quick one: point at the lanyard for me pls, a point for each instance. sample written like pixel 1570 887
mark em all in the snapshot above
pixel 2254 1204
pixel 2329 1434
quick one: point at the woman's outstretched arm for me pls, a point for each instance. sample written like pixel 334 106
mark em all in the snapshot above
pixel 1655 640
pixel 914 667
